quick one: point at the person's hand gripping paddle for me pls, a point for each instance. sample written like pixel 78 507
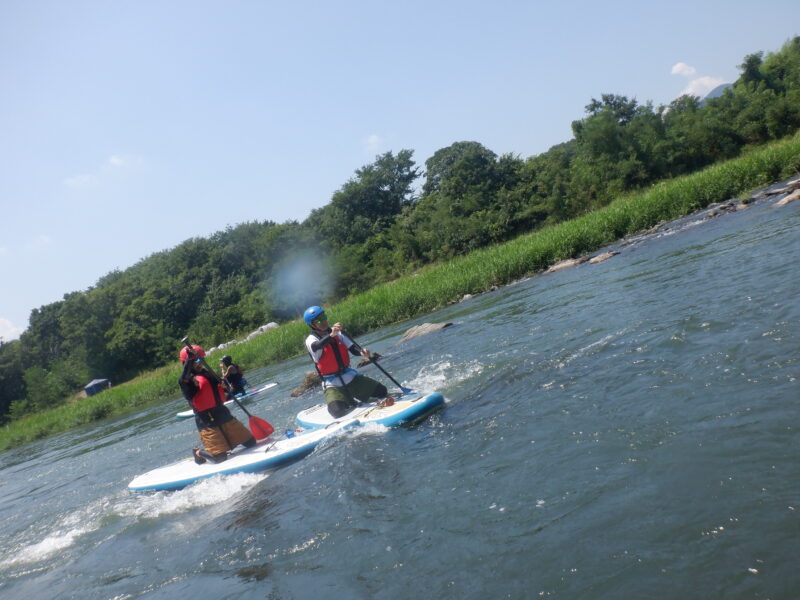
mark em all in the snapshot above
pixel 374 361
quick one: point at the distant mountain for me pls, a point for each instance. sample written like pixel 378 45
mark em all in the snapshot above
pixel 717 91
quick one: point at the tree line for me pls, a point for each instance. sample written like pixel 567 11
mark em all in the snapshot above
pixel 389 219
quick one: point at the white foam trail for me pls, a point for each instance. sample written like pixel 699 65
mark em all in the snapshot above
pixel 585 350
pixel 52 544
pixel 208 492
pixel 215 491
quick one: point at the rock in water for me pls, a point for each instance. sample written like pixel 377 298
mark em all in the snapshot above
pixel 310 381
pixel 790 198
pixel 423 329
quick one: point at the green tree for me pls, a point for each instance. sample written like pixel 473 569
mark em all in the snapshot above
pixel 369 202
pixel 45 388
pixel 12 384
pixel 751 69
pixel 229 307
pixel 458 209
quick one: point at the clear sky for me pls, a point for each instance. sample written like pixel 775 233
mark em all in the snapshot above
pixel 128 127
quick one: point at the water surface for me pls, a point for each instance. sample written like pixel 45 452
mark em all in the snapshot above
pixel 620 430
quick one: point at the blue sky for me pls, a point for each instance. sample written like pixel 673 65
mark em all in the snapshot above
pixel 128 127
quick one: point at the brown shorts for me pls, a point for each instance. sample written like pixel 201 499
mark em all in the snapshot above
pixel 214 441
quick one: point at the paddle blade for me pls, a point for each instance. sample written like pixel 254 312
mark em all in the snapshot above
pixel 260 428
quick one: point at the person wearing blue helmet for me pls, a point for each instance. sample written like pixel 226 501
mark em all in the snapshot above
pixel 330 349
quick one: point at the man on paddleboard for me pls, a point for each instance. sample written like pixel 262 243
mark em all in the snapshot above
pixel 330 350
pixel 219 431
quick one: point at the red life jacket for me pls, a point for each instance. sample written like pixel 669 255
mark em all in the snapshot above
pixel 328 363
pixel 205 398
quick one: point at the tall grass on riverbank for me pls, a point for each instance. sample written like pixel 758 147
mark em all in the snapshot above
pixel 435 286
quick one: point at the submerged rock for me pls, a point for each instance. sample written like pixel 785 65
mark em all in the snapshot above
pixel 602 257
pixel 423 329
pixel 788 188
pixel 366 361
pixel 716 210
pixel 310 381
pixel 790 198
pixel 566 264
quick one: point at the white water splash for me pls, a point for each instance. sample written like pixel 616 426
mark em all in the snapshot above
pixel 207 492
pixel 440 374
pixel 57 541
pixel 581 352
pixel 368 429
pixel 215 491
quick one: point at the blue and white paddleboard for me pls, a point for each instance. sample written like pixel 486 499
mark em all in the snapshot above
pixel 268 454
pixel 408 408
pixel 247 395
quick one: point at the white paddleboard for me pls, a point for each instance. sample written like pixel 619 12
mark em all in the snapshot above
pixel 408 408
pixel 267 454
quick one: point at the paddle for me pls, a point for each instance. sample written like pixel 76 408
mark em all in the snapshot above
pixel 374 360
pixel 258 427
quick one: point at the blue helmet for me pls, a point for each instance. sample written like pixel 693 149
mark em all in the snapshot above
pixel 312 312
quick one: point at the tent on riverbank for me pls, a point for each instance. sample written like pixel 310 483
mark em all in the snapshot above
pixel 96 386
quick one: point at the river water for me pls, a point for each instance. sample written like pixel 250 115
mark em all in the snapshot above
pixel 627 429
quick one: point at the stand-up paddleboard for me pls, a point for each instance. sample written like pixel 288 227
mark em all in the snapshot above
pixel 406 409
pixel 247 395
pixel 268 454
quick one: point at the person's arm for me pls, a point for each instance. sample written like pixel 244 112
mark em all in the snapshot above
pixel 187 383
pixel 187 371
pixel 353 346
pixel 320 343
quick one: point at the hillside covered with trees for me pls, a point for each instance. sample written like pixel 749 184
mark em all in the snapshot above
pixel 389 219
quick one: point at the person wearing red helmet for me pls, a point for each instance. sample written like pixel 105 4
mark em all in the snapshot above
pixel 220 432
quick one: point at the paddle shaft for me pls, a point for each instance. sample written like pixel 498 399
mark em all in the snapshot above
pixel 341 377
pixel 405 390
pixel 258 427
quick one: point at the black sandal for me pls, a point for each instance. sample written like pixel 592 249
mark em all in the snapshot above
pixel 197 458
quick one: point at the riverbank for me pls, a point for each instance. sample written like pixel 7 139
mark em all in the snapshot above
pixel 438 285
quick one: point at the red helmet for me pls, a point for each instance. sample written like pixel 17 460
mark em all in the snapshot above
pixel 195 352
